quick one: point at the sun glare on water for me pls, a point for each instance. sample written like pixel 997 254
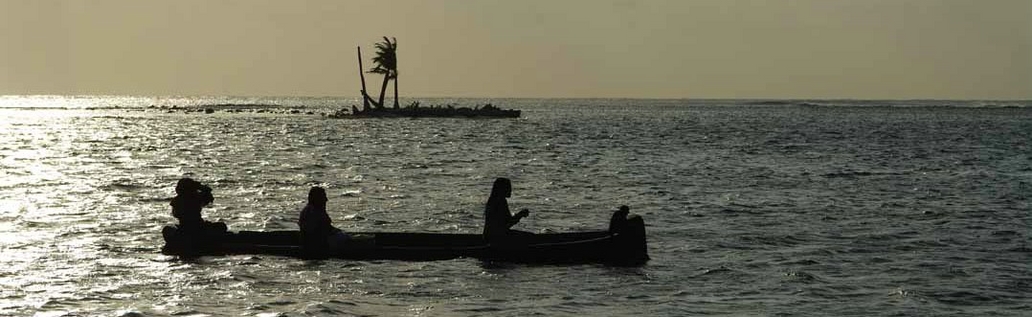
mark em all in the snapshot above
pixel 35 144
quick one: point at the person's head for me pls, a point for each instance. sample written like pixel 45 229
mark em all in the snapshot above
pixel 317 196
pixel 186 185
pixel 622 213
pixel 502 187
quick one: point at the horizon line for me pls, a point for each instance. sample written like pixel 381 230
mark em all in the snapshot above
pixel 557 98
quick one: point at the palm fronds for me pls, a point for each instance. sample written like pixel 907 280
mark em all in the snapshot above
pixel 386 59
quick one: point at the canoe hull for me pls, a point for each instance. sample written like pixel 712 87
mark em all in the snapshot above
pixel 627 247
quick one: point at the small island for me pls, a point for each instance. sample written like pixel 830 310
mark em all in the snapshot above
pixel 386 64
pixel 415 111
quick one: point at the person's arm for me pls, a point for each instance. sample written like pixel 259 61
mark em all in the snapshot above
pixel 205 194
pixel 512 220
pixel 327 223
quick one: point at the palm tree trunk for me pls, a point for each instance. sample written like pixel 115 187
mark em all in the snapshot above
pixel 383 90
pixel 365 97
pixel 396 105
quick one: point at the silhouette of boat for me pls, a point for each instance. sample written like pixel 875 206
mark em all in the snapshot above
pixel 624 247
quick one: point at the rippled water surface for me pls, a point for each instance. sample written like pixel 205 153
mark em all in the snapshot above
pixel 752 208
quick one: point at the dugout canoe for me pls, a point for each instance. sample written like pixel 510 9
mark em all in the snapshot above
pixel 624 244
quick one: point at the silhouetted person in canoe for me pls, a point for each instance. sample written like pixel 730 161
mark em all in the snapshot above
pixel 318 236
pixel 191 196
pixel 619 220
pixel 497 218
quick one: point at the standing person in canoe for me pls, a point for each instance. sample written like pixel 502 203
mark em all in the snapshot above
pixel 191 196
pixel 498 219
pixel 318 236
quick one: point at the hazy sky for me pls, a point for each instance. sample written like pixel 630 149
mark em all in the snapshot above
pixel 866 49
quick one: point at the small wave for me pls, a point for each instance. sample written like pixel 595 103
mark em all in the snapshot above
pixel 1022 249
pixel 353 217
pixel 717 271
pixel 785 240
pixel 131 314
pixel 903 293
pixel 801 262
pixel 481 310
pixel 1005 233
pixel 351 193
pixel 121 186
pixel 803 276
pixel 846 174
pixel 282 302
pixel 155 199
pixel 964 297
pixel 880 260
pixel 740 211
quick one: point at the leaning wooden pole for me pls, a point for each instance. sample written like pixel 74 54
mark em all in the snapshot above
pixel 361 74
pixel 396 106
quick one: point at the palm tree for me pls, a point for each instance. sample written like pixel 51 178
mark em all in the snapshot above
pixel 386 61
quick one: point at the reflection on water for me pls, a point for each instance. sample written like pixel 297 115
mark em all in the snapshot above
pixel 750 210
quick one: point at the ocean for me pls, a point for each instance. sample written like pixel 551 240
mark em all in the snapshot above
pixel 752 207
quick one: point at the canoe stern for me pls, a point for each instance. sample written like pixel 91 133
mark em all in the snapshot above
pixel 631 240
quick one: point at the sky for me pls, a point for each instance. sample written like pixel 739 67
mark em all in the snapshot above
pixel 791 49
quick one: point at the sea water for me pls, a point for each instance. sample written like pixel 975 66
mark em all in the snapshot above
pixel 864 208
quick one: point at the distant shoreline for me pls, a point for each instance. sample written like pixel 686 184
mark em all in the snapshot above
pixel 329 105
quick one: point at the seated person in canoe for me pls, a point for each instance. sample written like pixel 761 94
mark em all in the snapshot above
pixel 498 219
pixel 618 222
pixel 318 236
pixel 191 196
